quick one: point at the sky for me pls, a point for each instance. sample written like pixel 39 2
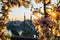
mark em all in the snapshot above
pixel 18 13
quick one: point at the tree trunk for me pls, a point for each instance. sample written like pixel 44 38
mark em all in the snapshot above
pixel 45 9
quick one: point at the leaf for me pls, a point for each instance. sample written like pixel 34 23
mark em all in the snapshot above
pixel 42 13
pixel 58 1
pixel 30 9
pixel 1 3
pixel 0 28
pixel 40 7
pixel 47 1
pixel 48 8
pixel 37 1
pixel 5 24
pixel 26 4
pixel 0 12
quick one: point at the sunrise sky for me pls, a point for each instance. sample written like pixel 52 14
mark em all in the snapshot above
pixel 18 13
